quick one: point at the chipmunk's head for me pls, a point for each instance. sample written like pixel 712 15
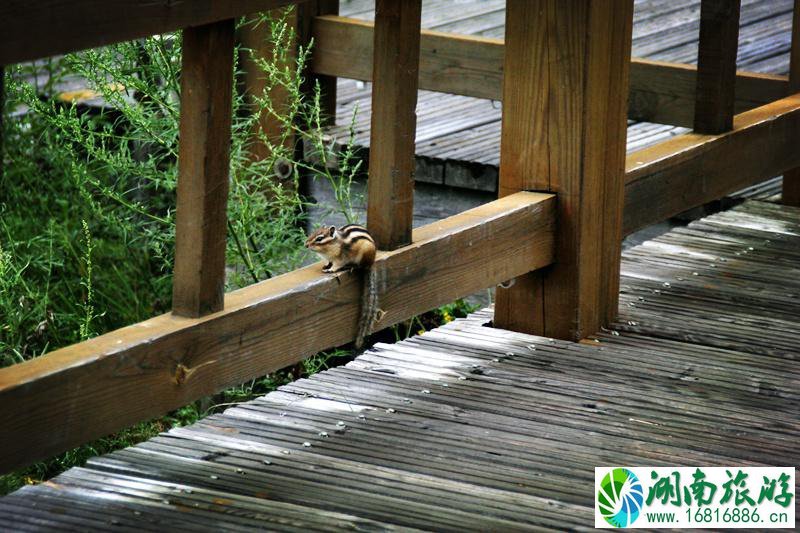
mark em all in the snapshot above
pixel 324 241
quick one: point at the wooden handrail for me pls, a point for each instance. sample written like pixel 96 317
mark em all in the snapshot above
pixel 81 392
pixel 473 66
pixel 692 169
pixel 87 390
pixel 32 30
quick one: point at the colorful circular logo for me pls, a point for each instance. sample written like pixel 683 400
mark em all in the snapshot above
pixel 620 497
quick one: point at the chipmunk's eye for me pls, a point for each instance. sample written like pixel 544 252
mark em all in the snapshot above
pixel 319 239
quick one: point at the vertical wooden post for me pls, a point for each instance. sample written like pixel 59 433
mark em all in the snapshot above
pixel 204 157
pixel 565 94
pixel 390 205
pixel 716 66
pixel 791 178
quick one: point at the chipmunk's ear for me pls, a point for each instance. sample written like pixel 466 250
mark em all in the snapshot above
pixel 332 231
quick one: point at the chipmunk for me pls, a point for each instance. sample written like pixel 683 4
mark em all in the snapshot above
pixel 351 247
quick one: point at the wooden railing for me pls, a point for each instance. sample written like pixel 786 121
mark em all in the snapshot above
pixel 569 145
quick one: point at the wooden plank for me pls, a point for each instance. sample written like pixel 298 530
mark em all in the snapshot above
pixel 716 65
pixel 564 101
pixel 87 390
pixel 430 432
pixel 51 27
pixel 390 204
pixel 702 168
pixel 456 64
pixel 790 195
pixel 198 284
pixel 660 91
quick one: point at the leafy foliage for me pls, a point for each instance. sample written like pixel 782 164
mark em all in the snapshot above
pixel 87 219
pixel 87 213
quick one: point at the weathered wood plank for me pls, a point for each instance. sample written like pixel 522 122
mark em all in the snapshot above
pixel 660 91
pixel 692 169
pixel 432 431
pixel 87 390
pixel 564 101
pixel 198 284
pixel 51 27
pixel 390 204
pixel 456 64
pixel 790 195
pixel 716 65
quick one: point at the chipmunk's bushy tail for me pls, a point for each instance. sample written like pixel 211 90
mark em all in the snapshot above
pixel 369 306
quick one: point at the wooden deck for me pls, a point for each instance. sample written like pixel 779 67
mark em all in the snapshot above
pixel 472 428
pixel 458 137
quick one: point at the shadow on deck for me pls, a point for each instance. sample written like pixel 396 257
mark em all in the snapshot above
pixel 468 427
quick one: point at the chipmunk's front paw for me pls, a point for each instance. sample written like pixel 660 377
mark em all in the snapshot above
pixel 327 268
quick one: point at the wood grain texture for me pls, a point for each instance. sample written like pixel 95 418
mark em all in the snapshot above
pixel 469 428
pixel 564 101
pixel 790 195
pixel 716 65
pixel 457 64
pixel 50 27
pixel 692 169
pixel 660 91
pixel 204 168
pixel 390 204
pixel 87 390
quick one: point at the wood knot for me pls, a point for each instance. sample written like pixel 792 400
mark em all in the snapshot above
pixel 183 373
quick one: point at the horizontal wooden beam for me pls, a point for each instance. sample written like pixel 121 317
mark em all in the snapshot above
pixel 692 169
pixel 32 30
pixel 457 64
pixel 665 92
pixel 88 390
pixel 473 66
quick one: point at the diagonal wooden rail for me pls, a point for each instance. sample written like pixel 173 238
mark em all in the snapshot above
pixel 692 169
pixel 87 390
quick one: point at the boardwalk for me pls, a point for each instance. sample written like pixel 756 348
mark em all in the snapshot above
pixel 458 137
pixel 469 427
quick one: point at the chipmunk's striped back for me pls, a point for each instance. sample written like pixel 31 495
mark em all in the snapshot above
pixel 351 247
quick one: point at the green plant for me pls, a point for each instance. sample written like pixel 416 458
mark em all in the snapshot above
pixel 87 212
pixel 419 324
